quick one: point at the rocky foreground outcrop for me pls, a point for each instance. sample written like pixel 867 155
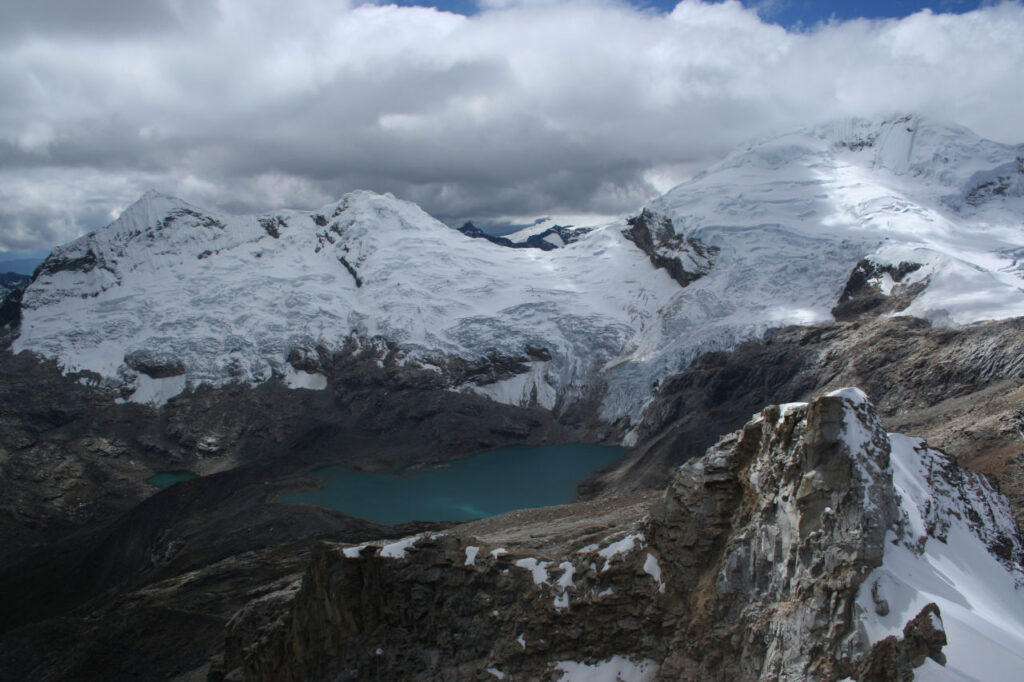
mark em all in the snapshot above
pixel 762 560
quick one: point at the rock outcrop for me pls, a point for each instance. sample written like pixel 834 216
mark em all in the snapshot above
pixel 878 288
pixel 802 500
pixel 551 238
pixel 748 567
pixel 894 658
pixel 685 260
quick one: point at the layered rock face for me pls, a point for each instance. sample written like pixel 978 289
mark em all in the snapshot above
pixel 750 566
pixel 801 499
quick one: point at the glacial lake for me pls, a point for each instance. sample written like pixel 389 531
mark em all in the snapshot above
pixel 169 478
pixel 483 485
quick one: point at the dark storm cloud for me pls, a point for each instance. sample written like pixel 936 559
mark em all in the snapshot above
pixel 104 20
pixel 525 110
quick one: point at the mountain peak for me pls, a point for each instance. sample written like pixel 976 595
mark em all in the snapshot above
pixel 153 197
pixel 145 212
pixel 153 193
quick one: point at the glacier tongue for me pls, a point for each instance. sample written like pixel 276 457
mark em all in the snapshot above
pixel 778 226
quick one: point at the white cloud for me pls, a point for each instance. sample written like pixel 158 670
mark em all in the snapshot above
pixel 526 109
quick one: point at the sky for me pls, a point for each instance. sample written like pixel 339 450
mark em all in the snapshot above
pixel 496 111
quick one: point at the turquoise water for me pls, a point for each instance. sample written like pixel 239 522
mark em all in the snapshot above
pixel 483 485
pixel 169 478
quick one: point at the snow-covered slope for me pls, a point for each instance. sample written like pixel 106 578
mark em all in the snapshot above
pixel 947 551
pixel 792 214
pixel 216 298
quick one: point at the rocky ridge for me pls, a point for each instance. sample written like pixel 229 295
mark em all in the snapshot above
pixel 961 389
pixel 539 236
pixel 750 566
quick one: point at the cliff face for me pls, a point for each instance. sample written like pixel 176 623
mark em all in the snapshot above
pixel 751 566
pixel 797 505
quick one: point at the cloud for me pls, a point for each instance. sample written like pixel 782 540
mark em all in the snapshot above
pixel 527 108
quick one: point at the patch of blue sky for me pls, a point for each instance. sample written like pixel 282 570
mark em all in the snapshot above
pixel 788 13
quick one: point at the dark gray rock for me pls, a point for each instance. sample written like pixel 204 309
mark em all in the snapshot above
pixel 895 658
pixel 685 260
pixel 153 364
pixel 863 293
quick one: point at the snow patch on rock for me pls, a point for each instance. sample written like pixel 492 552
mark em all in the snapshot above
pixel 615 669
pixel 621 547
pixel 538 569
pixel 297 378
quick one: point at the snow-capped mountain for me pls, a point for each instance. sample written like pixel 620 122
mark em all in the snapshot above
pixel 547 233
pixel 205 297
pixel 170 295
pixel 792 214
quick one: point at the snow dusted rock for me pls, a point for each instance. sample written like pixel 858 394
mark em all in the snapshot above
pixel 685 261
pixel 878 288
pixel 954 545
pixel 896 657
pixel 544 234
pixel 810 545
